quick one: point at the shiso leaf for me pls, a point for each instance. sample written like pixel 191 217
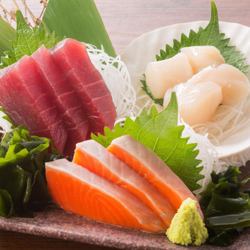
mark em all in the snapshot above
pixel 149 93
pixel 160 132
pixel 27 41
pixel 78 19
pixel 210 35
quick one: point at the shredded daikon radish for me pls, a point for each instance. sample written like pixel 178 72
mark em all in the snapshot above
pixel 227 121
pixel 117 78
pixel 207 154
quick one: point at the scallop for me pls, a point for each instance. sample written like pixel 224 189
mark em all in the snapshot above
pixel 202 56
pixel 163 75
pixel 199 102
pixel 235 84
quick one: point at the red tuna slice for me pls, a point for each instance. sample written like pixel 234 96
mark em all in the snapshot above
pixel 94 157
pixel 66 99
pixel 81 61
pixel 32 105
pixel 96 90
pixel 73 58
pixel 36 85
pixel 77 190
pixel 18 102
pixel 148 164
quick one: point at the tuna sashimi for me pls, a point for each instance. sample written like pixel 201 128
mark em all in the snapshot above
pixel 68 103
pixel 149 165
pixel 28 101
pixel 58 94
pixel 97 159
pixel 77 190
pixel 73 58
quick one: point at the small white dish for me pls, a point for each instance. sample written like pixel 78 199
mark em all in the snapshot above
pixel 234 150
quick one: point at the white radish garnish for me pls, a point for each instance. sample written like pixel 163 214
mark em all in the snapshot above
pixel 163 75
pixel 203 56
pixel 235 84
pixel 115 74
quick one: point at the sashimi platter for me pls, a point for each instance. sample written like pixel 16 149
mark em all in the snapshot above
pixel 144 150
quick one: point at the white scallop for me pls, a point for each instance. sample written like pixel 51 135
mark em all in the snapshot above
pixel 202 56
pixel 235 85
pixel 163 75
pixel 199 102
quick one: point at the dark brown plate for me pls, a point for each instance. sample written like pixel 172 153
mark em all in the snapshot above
pixel 55 223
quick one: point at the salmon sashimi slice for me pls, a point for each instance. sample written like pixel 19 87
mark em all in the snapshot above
pixel 77 190
pixel 97 159
pixel 148 164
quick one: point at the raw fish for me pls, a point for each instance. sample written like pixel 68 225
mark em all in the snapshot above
pixel 58 94
pixel 67 100
pixel 164 75
pixel 77 190
pixel 27 99
pixel 203 56
pixel 72 57
pixel 150 166
pixel 235 84
pixel 97 159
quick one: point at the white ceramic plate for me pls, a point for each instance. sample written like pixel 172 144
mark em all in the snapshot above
pixel 236 148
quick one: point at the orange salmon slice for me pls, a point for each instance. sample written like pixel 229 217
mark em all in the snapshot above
pixel 100 161
pixel 77 190
pixel 146 163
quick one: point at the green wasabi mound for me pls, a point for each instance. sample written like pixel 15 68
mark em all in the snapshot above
pixel 187 226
